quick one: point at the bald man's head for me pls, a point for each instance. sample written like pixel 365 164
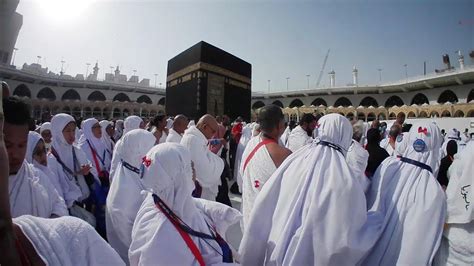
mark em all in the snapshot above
pixel 180 123
pixel 207 124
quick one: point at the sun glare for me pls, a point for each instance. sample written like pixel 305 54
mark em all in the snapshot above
pixel 63 10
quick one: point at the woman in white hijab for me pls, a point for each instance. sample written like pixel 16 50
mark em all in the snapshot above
pixel 170 229
pixel 91 144
pixel 132 122
pixel 124 197
pixel 457 244
pixel 312 211
pixel 107 140
pixel 70 164
pixel 37 156
pixel 45 131
pixel 411 200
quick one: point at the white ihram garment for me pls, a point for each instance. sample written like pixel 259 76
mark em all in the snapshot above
pixel 173 136
pixel 312 211
pixel 297 139
pixel 106 139
pixel 357 158
pixel 67 241
pixel 244 139
pixel 208 166
pixel 155 241
pixel 124 198
pixel 88 142
pixel 132 122
pixel 31 193
pixel 258 171
pixel 457 244
pixel 411 201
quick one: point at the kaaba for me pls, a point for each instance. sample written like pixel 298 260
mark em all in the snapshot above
pixel 207 80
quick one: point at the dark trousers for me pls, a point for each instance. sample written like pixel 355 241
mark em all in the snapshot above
pixel 223 192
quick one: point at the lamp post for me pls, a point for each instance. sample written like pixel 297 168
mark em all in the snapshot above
pixel 268 86
pixel 39 57
pixel 156 76
pixel 406 72
pixel 287 83
pixel 307 76
pixel 380 74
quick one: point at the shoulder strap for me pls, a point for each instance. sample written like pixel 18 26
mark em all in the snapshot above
pixel 55 154
pixel 189 242
pixel 94 156
pixel 252 153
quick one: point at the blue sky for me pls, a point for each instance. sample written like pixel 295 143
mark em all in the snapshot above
pixel 279 38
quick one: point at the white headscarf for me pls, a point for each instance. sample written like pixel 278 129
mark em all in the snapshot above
pixel 106 140
pixel 88 136
pixel 191 123
pixel 64 150
pixel 124 198
pixel 132 122
pixel 154 240
pixel 312 211
pixel 33 139
pixel 411 200
pixel 45 126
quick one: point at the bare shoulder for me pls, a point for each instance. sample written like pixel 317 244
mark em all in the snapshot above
pixel 278 153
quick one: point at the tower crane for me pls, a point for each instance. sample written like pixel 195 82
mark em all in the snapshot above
pixel 322 68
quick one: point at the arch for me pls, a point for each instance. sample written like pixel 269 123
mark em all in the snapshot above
pixel 446 113
pixel 394 100
pixel 434 114
pixel 420 99
pixel 392 116
pixel 55 110
pixel 144 99
pixel 152 113
pixel 76 111
pixel 319 101
pixel 296 103
pixel 97 112
pixel 411 115
pixel 96 96
pixel 136 112
pixel 71 95
pixel 46 93
pixel 162 101
pixel 87 112
pixel 470 97
pixel 106 112
pixel 470 113
pixel 447 96
pixel 121 97
pixel 117 112
pixel 257 104
pixel 459 113
pixel 22 91
pixel 371 117
pixel 361 116
pixel 278 103
pixel 342 101
pixel 422 114
pixel 382 116
pixel 369 101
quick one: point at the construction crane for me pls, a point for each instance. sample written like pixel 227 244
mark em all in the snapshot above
pixel 322 68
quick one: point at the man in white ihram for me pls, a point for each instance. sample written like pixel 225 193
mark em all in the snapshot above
pixel 302 134
pixel 180 124
pixel 262 156
pixel 208 166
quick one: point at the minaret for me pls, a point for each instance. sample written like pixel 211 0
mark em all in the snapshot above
pixel 332 79
pixel 96 70
pixel 461 60
pixel 355 80
pixel 117 71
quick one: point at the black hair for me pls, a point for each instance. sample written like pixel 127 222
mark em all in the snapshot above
pixel 269 117
pixel 406 127
pixel 16 111
pixel 307 118
pixel 157 119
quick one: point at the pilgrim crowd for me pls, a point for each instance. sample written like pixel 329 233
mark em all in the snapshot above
pixel 320 191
